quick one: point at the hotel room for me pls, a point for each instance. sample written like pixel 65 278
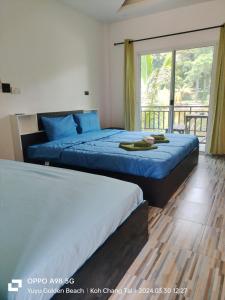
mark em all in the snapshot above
pixel 112 152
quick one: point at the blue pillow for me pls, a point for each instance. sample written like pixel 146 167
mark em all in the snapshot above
pixel 87 122
pixel 59 127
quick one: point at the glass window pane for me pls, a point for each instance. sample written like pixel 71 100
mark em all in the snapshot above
pixel 193 76
pixel 192 90
pixel 156 78
pixel 155 90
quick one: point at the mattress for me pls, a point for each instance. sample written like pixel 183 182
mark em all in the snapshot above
pixel 100 150
pixel 52 221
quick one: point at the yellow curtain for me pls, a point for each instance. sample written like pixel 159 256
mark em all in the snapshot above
pixel 217 140
pixel 129 86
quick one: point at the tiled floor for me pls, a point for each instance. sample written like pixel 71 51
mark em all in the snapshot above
pixel 186 247
pixel 202 148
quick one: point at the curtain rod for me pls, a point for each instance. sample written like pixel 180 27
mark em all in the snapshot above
pixel 171 34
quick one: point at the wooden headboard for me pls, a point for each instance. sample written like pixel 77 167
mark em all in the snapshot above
pixel 40 136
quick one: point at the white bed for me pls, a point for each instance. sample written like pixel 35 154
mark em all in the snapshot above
pixel 53 220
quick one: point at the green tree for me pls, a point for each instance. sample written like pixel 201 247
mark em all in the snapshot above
pixel 193 74
pixel 155 75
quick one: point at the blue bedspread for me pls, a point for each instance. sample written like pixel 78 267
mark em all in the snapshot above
pixel 100 150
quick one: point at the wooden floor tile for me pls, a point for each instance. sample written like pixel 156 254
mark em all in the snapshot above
pixel 204 278
pixel 213 242
pixel 180 233
pixel 186 246
pixel 154 215
pixel 199 276
pixel 190 211
pixel 219 198
pixel 199 179
pixel 216 217
pixel 198 195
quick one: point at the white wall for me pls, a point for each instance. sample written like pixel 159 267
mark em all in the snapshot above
pixel 182 19
pixel 51 53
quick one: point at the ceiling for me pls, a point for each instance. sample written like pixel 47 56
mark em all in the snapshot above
pixel 113 10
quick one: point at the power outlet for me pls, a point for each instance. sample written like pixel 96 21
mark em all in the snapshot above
pixel 15 91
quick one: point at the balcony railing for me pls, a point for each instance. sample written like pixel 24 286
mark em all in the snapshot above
pixel 187 119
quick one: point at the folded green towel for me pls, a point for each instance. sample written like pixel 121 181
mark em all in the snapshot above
pixel 160 138
pixel 162 141
pixel 158 135
pixel 141 143
pixel 137 146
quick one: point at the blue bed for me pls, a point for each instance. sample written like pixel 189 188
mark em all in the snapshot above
pixel 158 172
pixel 100 150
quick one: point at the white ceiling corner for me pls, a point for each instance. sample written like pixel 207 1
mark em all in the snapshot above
pixel 103 10
pixel 113 10
pixel 136 8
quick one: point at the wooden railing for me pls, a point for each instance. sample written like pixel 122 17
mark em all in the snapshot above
pixel 189 119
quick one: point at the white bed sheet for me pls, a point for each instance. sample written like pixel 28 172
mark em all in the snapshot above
pixel 52 221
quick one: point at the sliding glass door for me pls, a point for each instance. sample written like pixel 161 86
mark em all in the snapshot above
pixel 156 71
pixel 175 91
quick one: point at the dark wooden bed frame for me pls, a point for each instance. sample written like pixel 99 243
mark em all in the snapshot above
pixel 156 192
pixel 106 267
